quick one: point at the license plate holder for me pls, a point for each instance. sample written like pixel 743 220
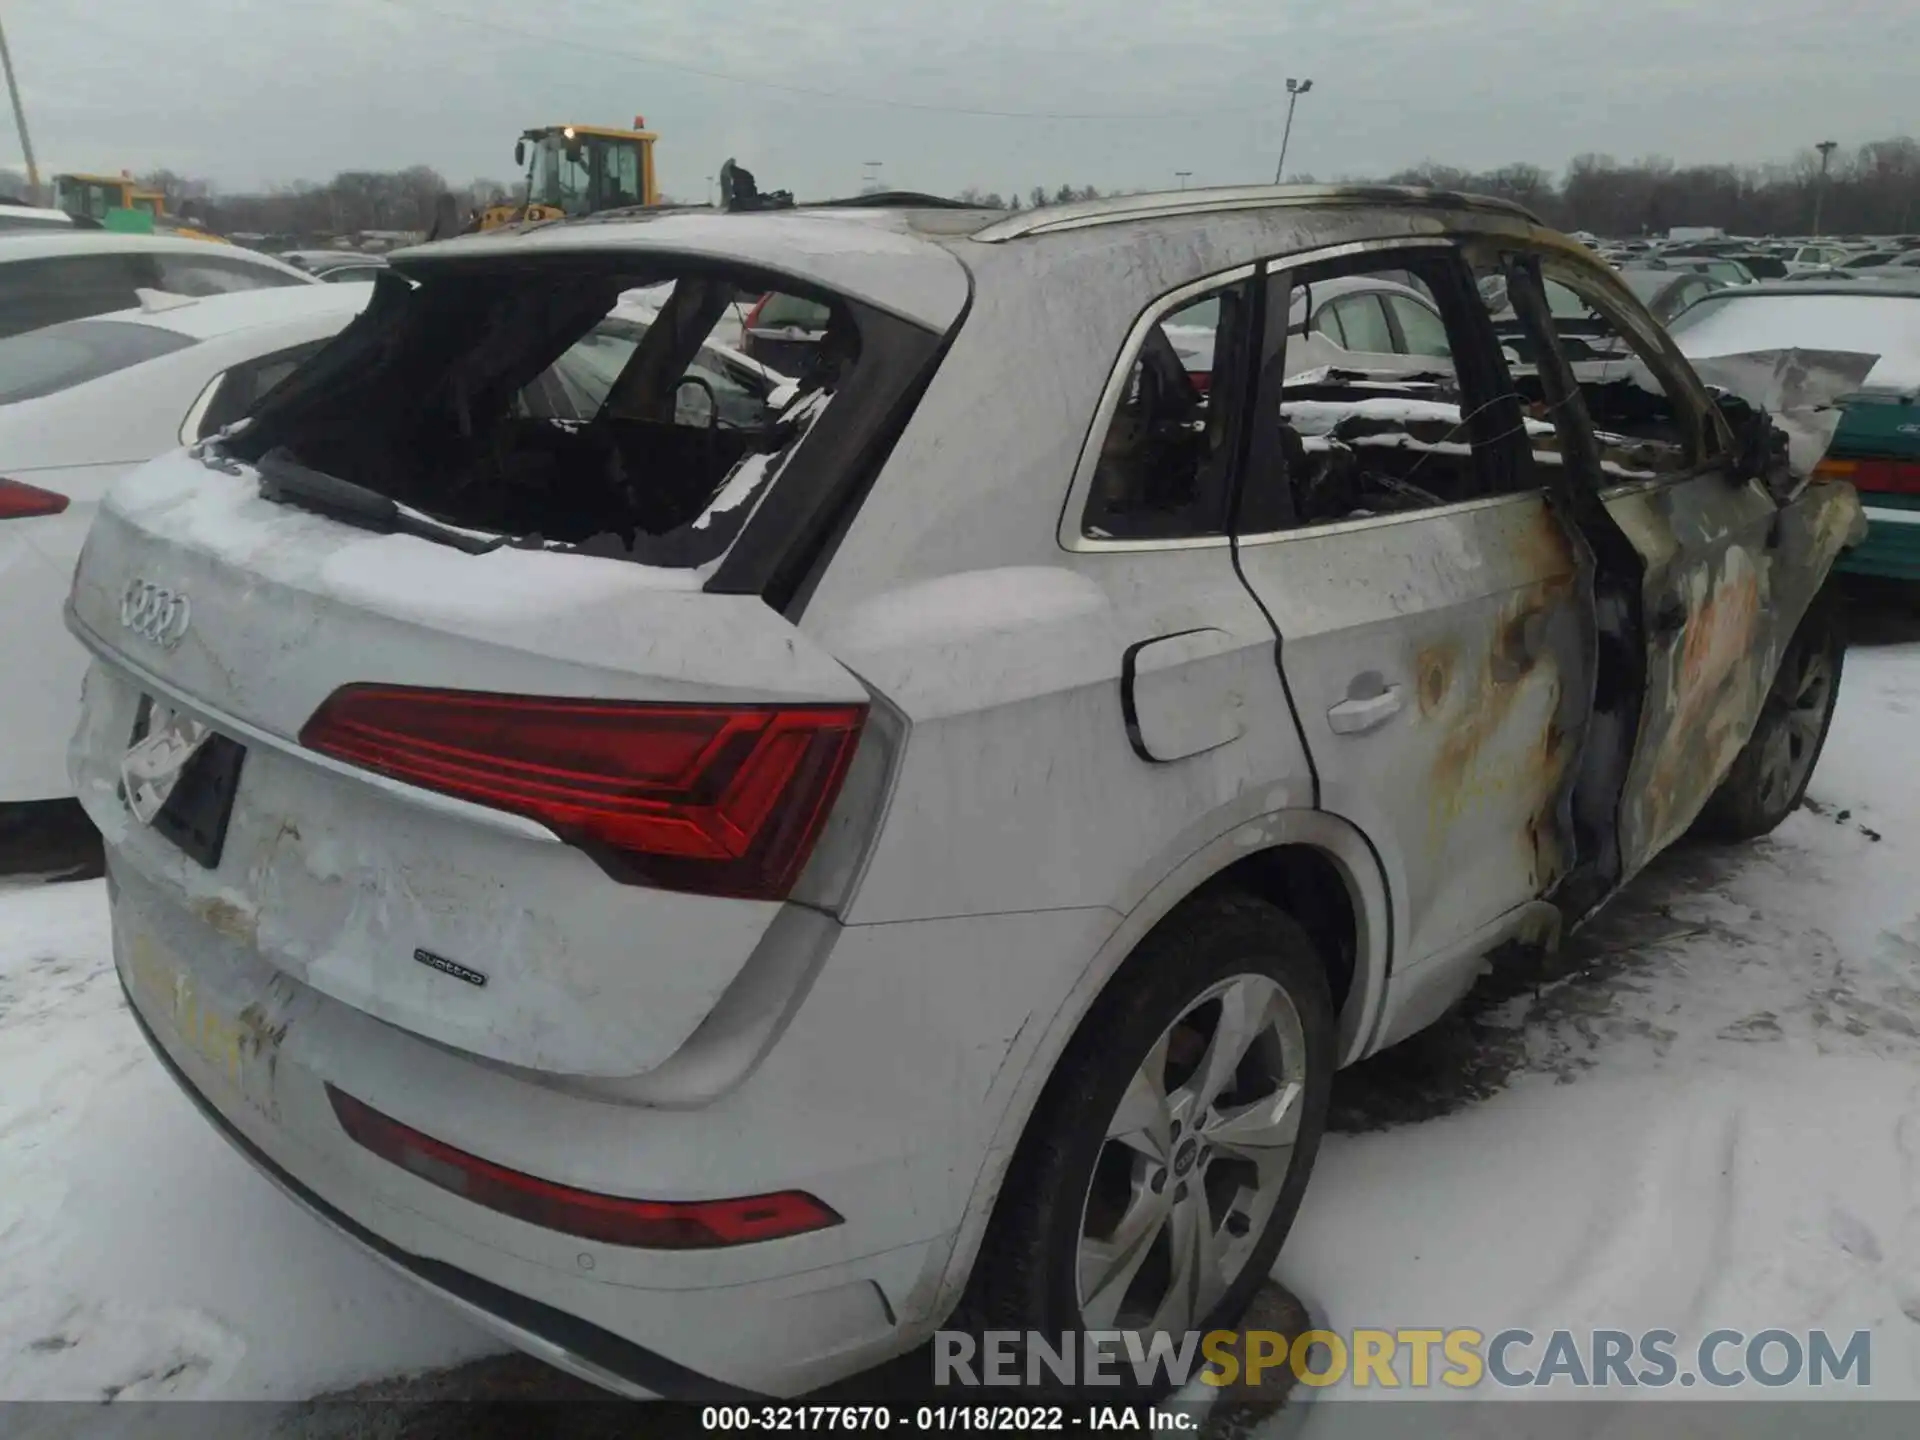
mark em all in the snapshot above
pixel 180 775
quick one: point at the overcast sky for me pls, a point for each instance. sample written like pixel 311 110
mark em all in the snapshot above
pixel 249 94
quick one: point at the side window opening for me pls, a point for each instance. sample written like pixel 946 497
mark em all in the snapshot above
pixel 1364 322
pixel 1384 428
pixel 1167 460
pixel 1422 332
pixel 555 412
pixel 1641 413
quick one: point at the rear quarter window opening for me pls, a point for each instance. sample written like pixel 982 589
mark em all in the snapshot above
pixel 539 404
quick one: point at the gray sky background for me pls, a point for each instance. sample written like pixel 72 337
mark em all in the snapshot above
pixel 251 94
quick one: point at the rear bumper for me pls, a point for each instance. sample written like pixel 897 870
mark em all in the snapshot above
pixel 1892 547
pixel 564 1340
pixel 880 1098
pixel 255 1050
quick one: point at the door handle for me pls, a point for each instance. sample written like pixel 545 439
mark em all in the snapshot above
pixel 1356 717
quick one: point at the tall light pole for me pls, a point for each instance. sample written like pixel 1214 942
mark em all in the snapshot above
pixel 20 119
pixel 1183 176
pixel 1826 149
pixel 1295 89
pixel 870 178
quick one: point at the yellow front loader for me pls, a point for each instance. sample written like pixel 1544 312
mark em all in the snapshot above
pixel 575 170
pixel 118 202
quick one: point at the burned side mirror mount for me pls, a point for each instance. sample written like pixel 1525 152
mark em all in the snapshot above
pixel 1760 448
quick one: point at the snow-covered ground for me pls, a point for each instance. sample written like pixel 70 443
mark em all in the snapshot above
pixel 139 1255
pixel 1715 1122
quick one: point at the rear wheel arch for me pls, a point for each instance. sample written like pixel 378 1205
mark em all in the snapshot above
pixel 1275 858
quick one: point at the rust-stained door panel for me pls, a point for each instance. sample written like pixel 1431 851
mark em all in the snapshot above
pixel 1713 636
pixel 1438 664
pixel 1729 577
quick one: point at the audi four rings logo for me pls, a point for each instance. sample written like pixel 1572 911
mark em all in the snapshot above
pixel 155 613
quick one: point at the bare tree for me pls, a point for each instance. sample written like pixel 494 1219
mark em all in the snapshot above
pixel 177 190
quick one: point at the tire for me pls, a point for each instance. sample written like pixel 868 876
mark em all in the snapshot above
pixel 1770 774
pixel 1218 950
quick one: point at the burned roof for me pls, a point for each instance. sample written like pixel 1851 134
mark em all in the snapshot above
pixel 1117 209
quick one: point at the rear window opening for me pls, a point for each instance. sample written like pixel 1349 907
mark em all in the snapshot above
pixel 593 409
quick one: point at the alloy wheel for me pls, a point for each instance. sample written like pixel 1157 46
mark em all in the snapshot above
pixel 1795 713
pixel 1194 1160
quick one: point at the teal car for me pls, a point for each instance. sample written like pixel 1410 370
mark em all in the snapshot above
pixel 1877 446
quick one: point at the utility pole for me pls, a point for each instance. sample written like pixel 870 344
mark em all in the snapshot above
pixel 870 175
pixel 1295 89
pixel 20 119
pixel 1826 149
pixel 1183 176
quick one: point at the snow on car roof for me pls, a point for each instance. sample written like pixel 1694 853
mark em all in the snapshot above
pixel 215 315
pixel 38 244
pixel 867 255
pixel 32 215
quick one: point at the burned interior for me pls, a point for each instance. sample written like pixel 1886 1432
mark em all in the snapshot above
pixel 1414 420
pixel 569 406
pixel 1379 415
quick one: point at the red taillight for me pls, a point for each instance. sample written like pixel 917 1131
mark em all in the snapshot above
pixel 1202 380
pixel 20 501
pixel 613 1219
pixel 720 800
pixel 1884 477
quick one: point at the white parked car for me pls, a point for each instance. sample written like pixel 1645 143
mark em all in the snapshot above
pixel 51 275
pixel 1811 258
pixel 15 216
pixel 81 404
pixel 1349 319
pixel 719 901
pixel 1904 267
